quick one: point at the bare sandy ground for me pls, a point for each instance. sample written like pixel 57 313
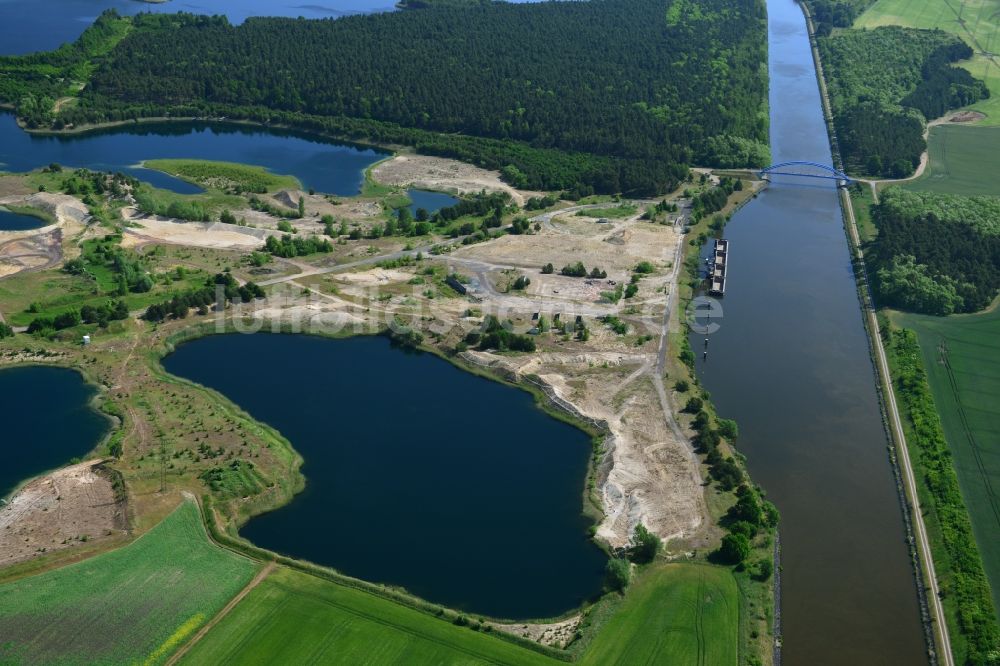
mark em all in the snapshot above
pixel 35 249
pixel 424 172
pixel 555 634
pixel 215 235
pixel 57 511
pixel 647 475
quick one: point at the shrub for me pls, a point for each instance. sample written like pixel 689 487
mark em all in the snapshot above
pixel 617 574
pixel 645 545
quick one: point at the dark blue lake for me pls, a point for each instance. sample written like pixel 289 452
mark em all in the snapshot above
pixel 326 166
pixel 48 420
pixel 17 222
pixel 418 473
pixel 429 201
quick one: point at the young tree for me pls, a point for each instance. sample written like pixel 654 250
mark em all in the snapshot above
pixel 645 545
pixel 617 574
pixel 735 548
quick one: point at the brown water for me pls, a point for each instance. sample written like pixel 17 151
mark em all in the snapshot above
pixel 791 364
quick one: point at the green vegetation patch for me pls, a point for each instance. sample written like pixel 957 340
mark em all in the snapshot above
pixel 441 82
pixel 136 604
pixel 613 212
pixel 673 614
pixel 34 82
pixel 977 23
pixel 225 176
pixel 963 160
pixel 963 355
pixel 884 84
pixel 295 618
pixel 935 253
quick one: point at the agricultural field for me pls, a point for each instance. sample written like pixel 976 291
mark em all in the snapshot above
pixel 131 605
pixel 963 161
pixel 673 614
pixel 303 619
pixel 975 21
pixel 225 176
pixel 293 617
pixel 962 359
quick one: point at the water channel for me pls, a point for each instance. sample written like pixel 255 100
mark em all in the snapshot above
pixel 790 363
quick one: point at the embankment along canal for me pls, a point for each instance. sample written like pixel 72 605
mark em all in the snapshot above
pixel 791 364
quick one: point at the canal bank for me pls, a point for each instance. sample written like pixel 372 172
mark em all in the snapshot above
pixel 791 364
pixel 932 614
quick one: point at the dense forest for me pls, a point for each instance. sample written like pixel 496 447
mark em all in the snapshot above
pixel 884 84
pixel 936 253
pixel 830 14
pixel 607 95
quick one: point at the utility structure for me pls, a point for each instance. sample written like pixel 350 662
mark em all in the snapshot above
pixel 801 169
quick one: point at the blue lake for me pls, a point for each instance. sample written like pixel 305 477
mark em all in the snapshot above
pixel 17 222
pixel 54 421
pixel 327 166
pixel 429 201
pixel 418 473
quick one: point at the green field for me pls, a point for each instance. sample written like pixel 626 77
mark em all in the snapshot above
pixel 963 160
pixel 975 21
pixel 295 618
pixel 225 176
pixel 962 359
pixel 675 614
pixel 611 212
pixel 131 605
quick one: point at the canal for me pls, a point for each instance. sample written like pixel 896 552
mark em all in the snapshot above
pixel 791 364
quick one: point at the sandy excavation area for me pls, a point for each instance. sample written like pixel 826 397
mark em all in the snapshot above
pixel 214 235
pixel 66 508
pixel 647 474
pixel 36 249
pixel 424 172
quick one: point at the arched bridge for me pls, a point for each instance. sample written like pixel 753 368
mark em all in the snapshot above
pixel 806 170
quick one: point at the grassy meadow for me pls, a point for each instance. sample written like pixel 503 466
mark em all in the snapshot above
pixel 975 21
pixel 133 605
pixel 673 614
pixel 225 176
pixel 293 617
pixel 961 355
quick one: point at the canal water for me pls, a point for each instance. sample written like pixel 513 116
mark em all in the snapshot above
pixel 54 422
pixel 791 364
pixel 418 474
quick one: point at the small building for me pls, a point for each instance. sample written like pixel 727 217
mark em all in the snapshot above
pixel 86 339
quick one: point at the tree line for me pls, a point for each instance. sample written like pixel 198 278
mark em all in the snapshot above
pixel 884 84
pixel 936 253
pixel 608 92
